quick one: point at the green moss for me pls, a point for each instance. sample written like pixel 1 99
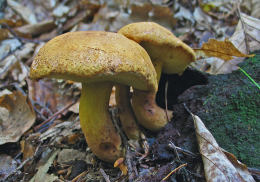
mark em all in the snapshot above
pixel 233 112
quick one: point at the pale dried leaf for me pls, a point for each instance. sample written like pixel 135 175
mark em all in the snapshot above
pixel 217 166
pixel 17 116
pixel 217 66
pixel 12 64
pixel 252 28
pixel 42 174
pixel 8 45
pixel 23 11
pixel 7 166
pixel 67 155
pixel 61 10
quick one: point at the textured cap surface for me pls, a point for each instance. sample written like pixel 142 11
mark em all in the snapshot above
pixel 95 56
pixel 161 45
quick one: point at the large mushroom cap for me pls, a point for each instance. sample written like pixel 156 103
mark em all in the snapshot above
pixel 95 56
pixel 161 45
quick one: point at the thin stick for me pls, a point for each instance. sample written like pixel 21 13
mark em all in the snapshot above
pixel 166 102
pixel 187 152
pixel 36 128
pixel 173 171
pixel 79 176
pixel 106 177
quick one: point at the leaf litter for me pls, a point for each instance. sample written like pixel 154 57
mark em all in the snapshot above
pixel 25 24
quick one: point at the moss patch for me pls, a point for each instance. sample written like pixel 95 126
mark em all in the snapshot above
pixel 232 112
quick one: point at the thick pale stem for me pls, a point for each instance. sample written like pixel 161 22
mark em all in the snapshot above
pixel 126 114
pixel 147 112
pixel 95 120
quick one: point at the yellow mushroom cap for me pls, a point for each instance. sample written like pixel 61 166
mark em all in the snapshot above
pixel 95 56
pixel 161 45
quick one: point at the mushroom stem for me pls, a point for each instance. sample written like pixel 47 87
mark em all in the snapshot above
pixel 147 112
pixel 126 114
pixel 95 120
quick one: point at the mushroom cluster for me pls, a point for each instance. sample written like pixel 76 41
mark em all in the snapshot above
pixel 135 56
pixel 98 60
pixel 169 55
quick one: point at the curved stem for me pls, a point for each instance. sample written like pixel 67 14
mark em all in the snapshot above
pixel 147 112
pixel 126 114
pixel 95 121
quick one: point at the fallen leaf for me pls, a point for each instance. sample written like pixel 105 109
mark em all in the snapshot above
pixel 251 6
pixel 251 29
pixel 27 148
pixel 67 155
pixel 17 116
pixel 224 50
pixel 42 174
pixel 13 64
pixel 217 166
pixel 36 29
pixel 51 94
pixel 218 57
pixel 7 166
pixel 23 11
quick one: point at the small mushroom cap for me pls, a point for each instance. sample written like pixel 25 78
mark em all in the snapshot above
pixel 118 162
pixel 161 45
pixel 95 56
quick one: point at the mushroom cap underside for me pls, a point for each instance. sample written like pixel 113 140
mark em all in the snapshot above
pixel 161 44
pixel 95 56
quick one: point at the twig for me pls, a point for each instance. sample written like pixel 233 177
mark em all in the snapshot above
pixel 173 171
pixel 23 163
pixel 77 178
pixel 165 100
pixel 36 128
pixel 128 157
pixel 182 150
pixel 125 144
pixel 106 177
pixel 175 150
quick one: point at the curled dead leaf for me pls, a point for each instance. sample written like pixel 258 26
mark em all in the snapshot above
pixel 217 165
pixel 16 116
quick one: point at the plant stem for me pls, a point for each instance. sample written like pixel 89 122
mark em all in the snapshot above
pixel 250 78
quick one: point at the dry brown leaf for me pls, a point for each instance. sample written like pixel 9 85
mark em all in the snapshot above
pixel 27 148
pixel 217 166
pixel 16 116
pixel 4 34
pixel 36 29
pixel 51 94
pixel 224 50
pixel 218 57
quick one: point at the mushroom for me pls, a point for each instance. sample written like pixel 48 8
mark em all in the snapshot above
pixel 120 164
pixel 169 55
pixel 98 60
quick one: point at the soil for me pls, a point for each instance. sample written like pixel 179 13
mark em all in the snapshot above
pixel 227 104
